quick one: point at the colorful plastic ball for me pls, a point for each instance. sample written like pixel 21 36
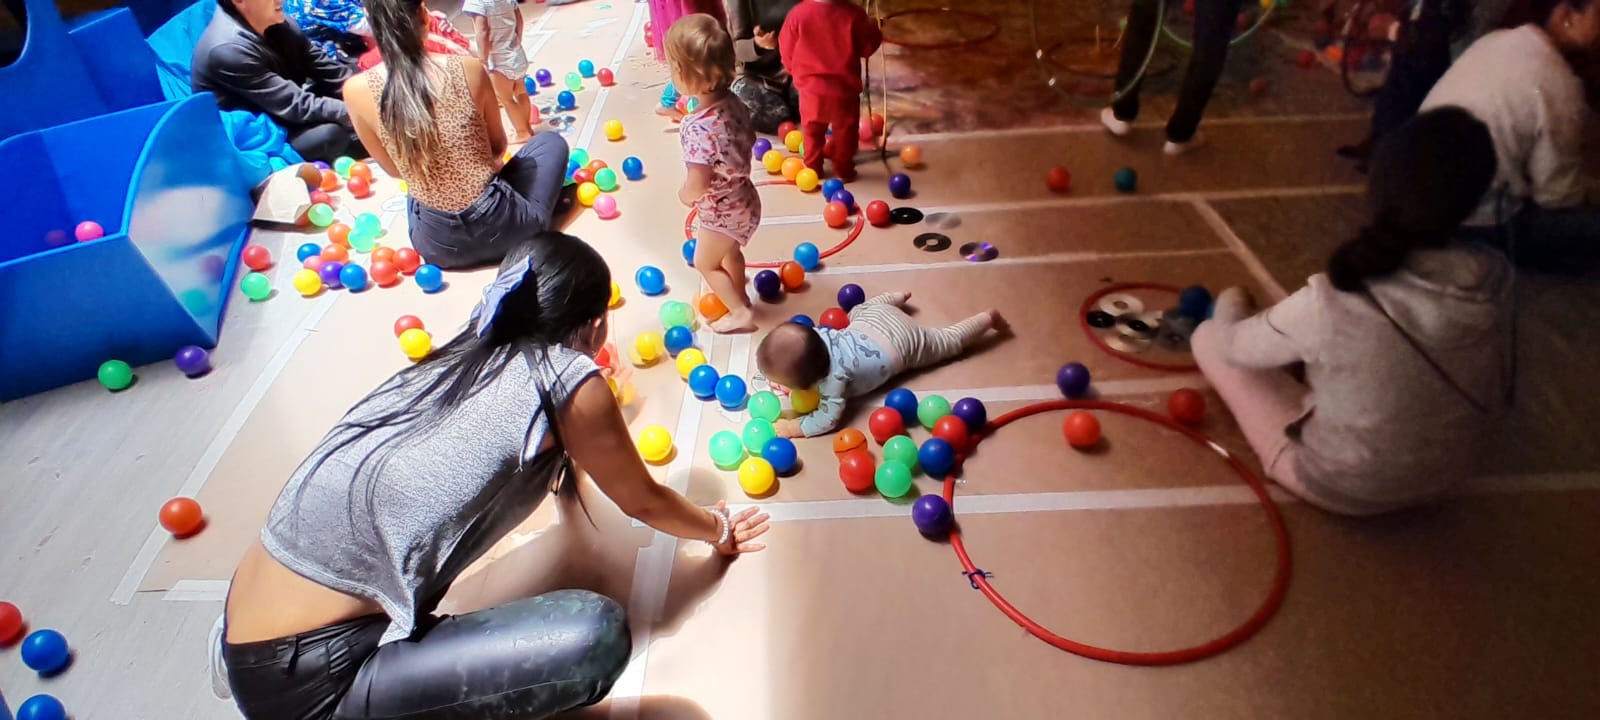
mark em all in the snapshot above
pixel 321 196
pixel 756 434
pixel 901 449
pixel 10 624
pixel 649 345
pixel 342 165
pixel 633 168
pixel 1258 86
pixel 1082 430
pixel 335 253
pixel 952 429
pixel 407 260
pixel 329 273
pixel 850 296
pixel 931 409
pixel 902 401
pixel 115 375
pixel 192 360
pixel 845 198
pixel 793 139
pixel 605 207
pixel 573 168
pixel 573 81
pixel 726 450
pixel 88 230
pixel 368 224
pixel 320 215
pixel 1194 302
pixel 430 278
pixel 878 213
pixel 655 444
pixel 893 479
pixel 792 275
pixel 359 187
pixel 806 180
pixel 182 516
pixel 768 285
pixel 712 306
pixel 416 343
pixel 41 707
pixel 544 77
pixel 885 423
pixel 1126 180
pixel 831 186
pixel 307 250
pixel 587 192
pixel 731 393
pixel 791 168
pixel 760 148
pixel 45 651
pixel 688 360
pixel 1073 380
pixel 773 162
pixel 786 127
pixel 756 476
pixel 781 454
pixel 834 318
pixel 407 322
pixel 1058 180
pixel 314 263
pixel 836 215
pixel 586 68
pixel 255 286
pixel 803 320
pixel 677 339
pixel 613 130
pixel 256 257
pixel 565 100
pixel 807 255
pixel 650 280
pixel 361 170
pixel 932 515
pixel 688 250
pixel 765 406
pixel 804 400
pixel 338 234
pixel 330 181
pixel 865 129
pixel 384 273
pixel 848 439
pixel 616 295
pixel 936 456
pixel 1187 406
pixel 606 77
pixel 1306 59
pixel 675 313
pixel 911 156
pixel 857 470
pixel 703 382
pixel 530 85
pixel 900 185
pixel 353 277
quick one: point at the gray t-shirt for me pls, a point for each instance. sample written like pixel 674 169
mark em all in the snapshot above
pixel 398 530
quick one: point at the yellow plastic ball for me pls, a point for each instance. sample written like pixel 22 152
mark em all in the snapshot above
pixel 649 345
pixel 587 192
pixel 805 401
pixel 307 282
pixel 806 180
pixel 756 476
pixel 792 167
pixel 405 187
pixel 416 343
pixel 614 127
pixel 688 360
pixel 793 140
pixel 772 161
pixel 655 444
pixel 616 295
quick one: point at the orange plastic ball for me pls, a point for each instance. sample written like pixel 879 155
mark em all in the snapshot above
pixel 384 273
pixel 335 253
pixel 361 170
pixel 857 470
pixel 792 274
pixel 1187 406
pixel 836 215
pixel 339 234
pixel 182 516
pixel 791 168
pixel 1082 430
pixel 712 306
pixel 330 181
pixel 382 253
pixel 582 175
pixel 407 260
pixel 911 156
pixel 1059 180
pixel 595 166
pixel 407 322
pixel 847 440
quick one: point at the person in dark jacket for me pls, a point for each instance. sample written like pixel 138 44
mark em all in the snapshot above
pixel 764 85
pixel 253 58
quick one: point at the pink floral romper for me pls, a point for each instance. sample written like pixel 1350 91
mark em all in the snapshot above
pixel 720 136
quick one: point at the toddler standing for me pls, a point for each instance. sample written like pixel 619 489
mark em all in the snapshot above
pixel 822 45
pixel 498 24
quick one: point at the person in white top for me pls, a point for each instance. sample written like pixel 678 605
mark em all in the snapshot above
pixel 1522 83
pixel 498 25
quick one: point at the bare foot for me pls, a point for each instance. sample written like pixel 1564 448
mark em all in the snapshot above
pixel 998 323
pixel 740 320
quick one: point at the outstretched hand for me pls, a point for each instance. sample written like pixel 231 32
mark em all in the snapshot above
pixel 748 525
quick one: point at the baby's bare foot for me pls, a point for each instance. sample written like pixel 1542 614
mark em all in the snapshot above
pixel 738 320
pixel 998 323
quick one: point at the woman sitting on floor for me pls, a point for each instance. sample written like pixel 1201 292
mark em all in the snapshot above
pixel 434 120
pixel 330 614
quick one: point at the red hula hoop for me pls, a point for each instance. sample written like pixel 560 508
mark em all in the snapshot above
pixel 1226 641
pixel 994 28
pixel 1083 321
pixel 855 232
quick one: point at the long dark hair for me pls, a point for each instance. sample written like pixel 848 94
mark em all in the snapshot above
pixel 1427 177
pixel 406 106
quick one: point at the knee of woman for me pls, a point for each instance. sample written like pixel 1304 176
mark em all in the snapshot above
pixel 603 632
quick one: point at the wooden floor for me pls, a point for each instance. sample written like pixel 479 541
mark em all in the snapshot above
pixel 1481 607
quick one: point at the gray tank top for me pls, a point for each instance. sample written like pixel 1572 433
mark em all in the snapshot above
pixel 399 531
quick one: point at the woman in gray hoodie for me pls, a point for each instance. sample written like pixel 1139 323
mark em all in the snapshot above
pixel 1405 340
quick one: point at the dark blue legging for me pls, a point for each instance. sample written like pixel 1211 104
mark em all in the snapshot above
pixel 1214 21
pixel 520 661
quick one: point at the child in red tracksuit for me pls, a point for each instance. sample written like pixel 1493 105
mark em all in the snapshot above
pixel 822 45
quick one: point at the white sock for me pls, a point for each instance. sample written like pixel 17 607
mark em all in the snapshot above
pixel 1179 148
pixel 1119 128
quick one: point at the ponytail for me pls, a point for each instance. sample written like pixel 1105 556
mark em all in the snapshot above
pixel 406 106
pixel 1375 252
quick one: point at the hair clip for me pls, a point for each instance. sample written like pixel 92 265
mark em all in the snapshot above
pixel 509 279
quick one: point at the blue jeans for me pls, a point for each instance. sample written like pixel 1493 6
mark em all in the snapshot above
pixel 1554 240
pixel 516 205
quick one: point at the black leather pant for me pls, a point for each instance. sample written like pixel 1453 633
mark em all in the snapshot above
pixel 519 661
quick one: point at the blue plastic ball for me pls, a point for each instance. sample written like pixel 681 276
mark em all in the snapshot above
pixel 677 339
pixel 1126 180
pixel 768 285
pixel 900 185
pixel 936 457
pixel 831 186
pixel 845 198
pixel 572 167
pixel 45 651
pixel 703 382
pixel 633 168
pixel 669 96
pixel 544 77
pixel 430 278
pixel 760 148
pixel 354 277
pixel 42 707
pixel 781 453
pixel 650 280
pixel 1194 302
pixel 803 320
pixel 973 413
pixel 932 515
pixel 565 100
pixel 688 251
pixel 731 391
pixel 1073 380
pixel 531 85
pixel 307 250
pixel 850 296
pixel 807 255
pixel 586 68
pixel 903 401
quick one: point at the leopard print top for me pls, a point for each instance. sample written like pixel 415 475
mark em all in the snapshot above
pixel 464 165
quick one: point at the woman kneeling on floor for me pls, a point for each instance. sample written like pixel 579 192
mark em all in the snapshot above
pixel 330 614
pixel 1406 339
pixel 434 120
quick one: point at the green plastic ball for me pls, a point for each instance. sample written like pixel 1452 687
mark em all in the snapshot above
pixel 115 374
pixel 579 156
pixel 606 178
pixel 726 450
pixel 368 224
pixel 1126 180
pixel 342 166
pixel 765 406
pixel 320 215
pixel 675 313
pixel 574 81
pixel 901 449
pixel 256 286
pixel 931 409
pixel 362 242
pixel 893 479
pixel 756 435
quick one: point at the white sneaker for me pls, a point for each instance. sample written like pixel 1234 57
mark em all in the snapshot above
pixel 1117 127
pixel 1179 148
pixel 219 669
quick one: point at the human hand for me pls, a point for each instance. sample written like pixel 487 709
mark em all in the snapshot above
pixel 748 525
pixel 788 429
pixel 766 40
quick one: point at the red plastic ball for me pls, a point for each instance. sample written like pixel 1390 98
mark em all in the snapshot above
pixel 1082 430
pixel 319 196
pixel 407 260
pixel 952 429
pixel 182 516
pixel 1244 22
pixel 384 273
pixel 885 423
pixel 359 187
pixel 330 181
pixel 857 470
pixel 1187 406
pixel 407 322
pixel 1059 180
pixel 582 175
pixel 256 257
pixel 595 166
pixel 878 213
pixel 1306 59
pixel 1188 7
pixel 785 128
pixel 11 623
pixel 1258 86
pixel 877 123
pixel 606 77
pixel 866 130
pixel 834 318
pixel 836 215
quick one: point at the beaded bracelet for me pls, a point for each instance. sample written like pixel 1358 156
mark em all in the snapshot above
pixel 727 524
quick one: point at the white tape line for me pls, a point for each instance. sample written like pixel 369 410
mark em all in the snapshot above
pixel 1058 258
pixel 540 39
pixel 596 110
pixel 198 591
pixel 1246 256
pixel 1094 127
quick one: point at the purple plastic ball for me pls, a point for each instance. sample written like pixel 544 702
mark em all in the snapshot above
pixel 320 165
pixel 330 273
pixel 845 198
pixel 850 296
pixel 761 147
pixel 932 515
pixel 900 185
pixel 192 360
pixel 768 285
pixel 214 266
pixel 1073 379
pixel 973 413
pixel 544 78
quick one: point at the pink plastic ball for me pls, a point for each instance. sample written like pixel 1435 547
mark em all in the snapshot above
pixel 89 230
pixel 606 207
pixel 314 262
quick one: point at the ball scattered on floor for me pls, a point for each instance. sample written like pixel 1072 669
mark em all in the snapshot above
pixel 911 156
pixel 688 360
pixel 416 343
pixel 182 516
pixel 1126 180
pixel 893 479
pixel 353 277
pixel 41 707
pixel 256 257
pixel 952 429
pixel 1187 406
pixel 689 246
pixel 45 651
pixel 756 476
pixel 756 434
pixel 1058 180
pixel 655 444
pixel 857 470
pixel 932 515
pixel 678 339
pixel 651 280
pixel 703 382
pixel 781 454
pixel 614 130
pixel 834 318
pixel 1073 380
pixel 650 346
pixel 806 180
pixel 10 624
pixel 885 423
pixel 1082 430
pixel 760 148
pixel 931 409
pixel 792 140
pixel 430 278
pixel 901 449
pixel 726 450
pixel 804 400
pixel 633 168
pixel 792 275
pixel 850 296
pixel 848 439
pixel 808 256
pixel 675 313
pixel 904 402
pixel 878 213
pixel 256 286
pixel 768 285
pixel 192 360
pixel 791 168
pixel 731 392
pixel 831 186
pixel 836 215
pixel 773 162
pixel 406 322
pixel 937 457
pixel 91 230
pixel 765 406
pixel 712 307
pixel 900 185
pixel 115 375
pixel 973 413
pixel 803 320
pixel 844 197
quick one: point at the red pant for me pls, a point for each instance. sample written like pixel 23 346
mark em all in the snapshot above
pixel 817 113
